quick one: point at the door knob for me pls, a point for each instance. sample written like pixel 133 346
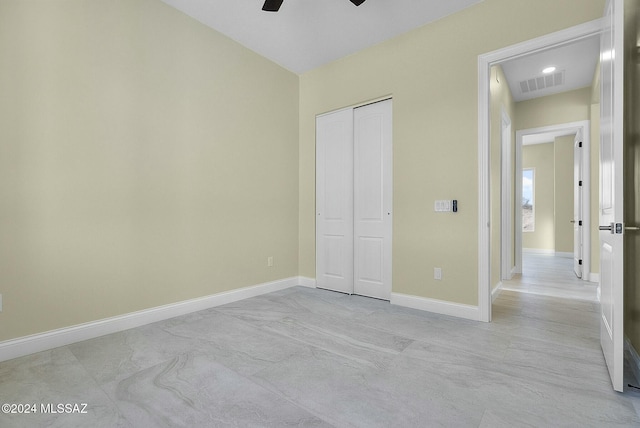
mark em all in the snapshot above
pixel 610 228
pixel 615 228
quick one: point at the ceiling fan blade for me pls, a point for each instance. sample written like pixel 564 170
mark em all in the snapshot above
pixel 272 5
pixel 357 2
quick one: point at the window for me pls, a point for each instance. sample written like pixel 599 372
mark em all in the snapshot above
pixel 528 212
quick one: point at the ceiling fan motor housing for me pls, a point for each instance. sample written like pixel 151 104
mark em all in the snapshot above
pixel 274 5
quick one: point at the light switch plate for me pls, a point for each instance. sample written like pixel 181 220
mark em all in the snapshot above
pixel 443 205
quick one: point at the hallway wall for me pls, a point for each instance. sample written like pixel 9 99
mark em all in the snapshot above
pixel 563 193
pixel 501 100
pixel 540 157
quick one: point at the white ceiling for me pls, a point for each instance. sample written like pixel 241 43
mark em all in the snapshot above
pixel 578 60
pixel 306 34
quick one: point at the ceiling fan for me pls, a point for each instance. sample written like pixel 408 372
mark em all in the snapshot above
pixel 274 5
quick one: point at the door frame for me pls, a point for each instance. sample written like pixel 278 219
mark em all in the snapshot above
pixel 558 130
pixel 485 62
pixel 580 192
pixel 507 262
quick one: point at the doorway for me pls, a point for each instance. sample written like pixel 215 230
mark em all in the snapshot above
pixel 354 200
pixel 580 221
pixel 611 196
pixel 486 61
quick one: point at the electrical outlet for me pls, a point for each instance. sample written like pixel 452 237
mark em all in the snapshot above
pixel 437 273
pixel 270 261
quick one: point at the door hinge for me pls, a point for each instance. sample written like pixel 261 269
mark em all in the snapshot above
pixel 580 183
pixel 619 228
pixel 580 144
pixel 580 262
pixel 580 223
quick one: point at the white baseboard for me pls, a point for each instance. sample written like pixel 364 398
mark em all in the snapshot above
pixel 634 358
pixel 538 251
pixel 305 281
pixel 564 255
pixel 496 292
pixel 437 306
pixel 26 345
pixel 594 277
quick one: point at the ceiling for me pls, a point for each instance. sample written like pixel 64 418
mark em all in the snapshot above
pixel 306 34
pixel 576 61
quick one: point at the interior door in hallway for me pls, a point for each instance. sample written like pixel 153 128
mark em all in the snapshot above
pixel 611 192
pixel 373 199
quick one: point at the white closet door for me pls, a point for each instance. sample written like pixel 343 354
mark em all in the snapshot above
pixel 373 199
pixel 334 201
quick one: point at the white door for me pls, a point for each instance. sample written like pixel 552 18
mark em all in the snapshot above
pixel 611 191
pixel 334 201
pixel 354 200
pixel 372 199
pixel 577 204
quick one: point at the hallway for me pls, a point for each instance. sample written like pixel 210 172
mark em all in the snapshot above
pixel 553 276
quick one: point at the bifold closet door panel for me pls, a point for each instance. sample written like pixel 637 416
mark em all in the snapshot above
pixel 334 201
pixel 373 200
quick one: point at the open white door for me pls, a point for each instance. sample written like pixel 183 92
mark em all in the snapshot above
pixel 373 199
pixel 334 201
pixel 577 204
pixel 611 191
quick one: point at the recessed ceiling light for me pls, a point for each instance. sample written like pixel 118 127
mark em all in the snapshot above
pixel 549 70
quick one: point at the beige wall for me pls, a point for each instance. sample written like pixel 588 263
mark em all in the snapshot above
pixel 563 185
pixel 432 74
pixel 566 107
pixel 501 100
pixel 146 159
pixel 540 157
pixel 553 165
pixel 632 173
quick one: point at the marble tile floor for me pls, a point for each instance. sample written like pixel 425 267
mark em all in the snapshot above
pixel 314 358
pixel 551 275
